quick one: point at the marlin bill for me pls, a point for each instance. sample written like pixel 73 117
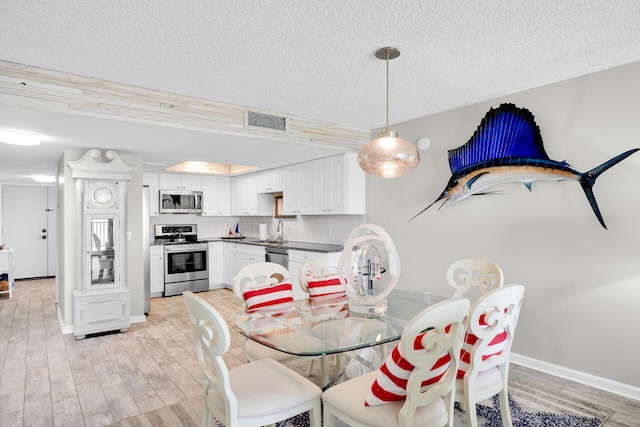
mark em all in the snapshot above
pixel 507 147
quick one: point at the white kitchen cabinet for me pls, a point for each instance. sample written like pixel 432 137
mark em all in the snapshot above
pixel 244 195
pixel 245 200
pixel 177 181
pixel 297 189
pixel 150 179
pixel 338 186
pixel 270 181
pixel 297 258
pixel 241 255
pixel 216 196
pixel 156 270
pixel 216 265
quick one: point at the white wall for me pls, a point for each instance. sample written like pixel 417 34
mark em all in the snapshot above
pixel 582 281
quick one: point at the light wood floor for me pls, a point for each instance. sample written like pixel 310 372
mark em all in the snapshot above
pixel 48 379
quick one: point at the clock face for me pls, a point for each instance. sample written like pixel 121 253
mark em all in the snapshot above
pixel 102 195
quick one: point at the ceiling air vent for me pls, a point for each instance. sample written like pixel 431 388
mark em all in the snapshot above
pixel 265 121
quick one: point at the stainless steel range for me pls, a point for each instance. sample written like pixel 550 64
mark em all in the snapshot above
pixel 185 259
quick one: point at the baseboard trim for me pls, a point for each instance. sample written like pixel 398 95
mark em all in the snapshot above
pixel 64 328
pixel 69 329
pixel 138 319
pixel 622 389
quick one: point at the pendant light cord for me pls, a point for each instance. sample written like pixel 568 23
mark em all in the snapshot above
pixel 388 89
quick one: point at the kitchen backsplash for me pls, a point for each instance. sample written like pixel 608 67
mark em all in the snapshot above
pixel 332 229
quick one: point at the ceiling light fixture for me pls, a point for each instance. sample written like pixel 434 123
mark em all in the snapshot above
pixel 19 138
pixel 388 156
pixel 44 178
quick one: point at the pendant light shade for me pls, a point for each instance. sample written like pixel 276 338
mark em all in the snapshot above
pixel 388 156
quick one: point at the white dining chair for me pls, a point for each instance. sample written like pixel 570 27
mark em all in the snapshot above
pixel 422 347
pixel 468 273
pixel 253 394
pixel 258 275
pixel 491 324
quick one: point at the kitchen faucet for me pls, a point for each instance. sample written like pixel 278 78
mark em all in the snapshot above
pixel 280 231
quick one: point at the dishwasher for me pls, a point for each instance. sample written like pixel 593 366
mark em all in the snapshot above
pixel 277 255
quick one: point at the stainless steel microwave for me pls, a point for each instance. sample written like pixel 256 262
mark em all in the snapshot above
pixel 180 202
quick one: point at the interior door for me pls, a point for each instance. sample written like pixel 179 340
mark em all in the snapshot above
pixel 25 226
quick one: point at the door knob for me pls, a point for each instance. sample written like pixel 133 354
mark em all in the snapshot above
pixel 44 236
pixel 44 230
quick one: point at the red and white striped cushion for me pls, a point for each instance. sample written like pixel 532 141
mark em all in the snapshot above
pixel 391 382
pixel 495 347
pixel 272 298
pixel 325 288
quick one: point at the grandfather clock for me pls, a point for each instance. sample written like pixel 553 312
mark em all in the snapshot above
pixel 101 300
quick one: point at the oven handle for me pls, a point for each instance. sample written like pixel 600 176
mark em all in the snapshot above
pixel 184 248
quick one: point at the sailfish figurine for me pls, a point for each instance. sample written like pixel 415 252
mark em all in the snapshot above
pixel 507 147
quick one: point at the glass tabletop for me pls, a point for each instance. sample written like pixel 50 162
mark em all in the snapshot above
pixel 307 329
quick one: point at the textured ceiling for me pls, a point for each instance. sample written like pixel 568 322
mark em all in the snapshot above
pixel 316 58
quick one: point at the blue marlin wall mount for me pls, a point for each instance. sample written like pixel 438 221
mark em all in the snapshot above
pixel 507 147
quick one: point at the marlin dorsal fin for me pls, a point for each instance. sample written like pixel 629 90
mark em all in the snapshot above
pixel 506 131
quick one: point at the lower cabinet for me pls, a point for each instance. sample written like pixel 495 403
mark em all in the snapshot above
pixel 216 265
pixel 236 256
pixel 156 270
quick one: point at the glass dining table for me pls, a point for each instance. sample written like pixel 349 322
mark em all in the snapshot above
pixel 307 329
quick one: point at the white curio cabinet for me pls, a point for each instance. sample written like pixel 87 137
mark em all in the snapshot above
pixel 102 297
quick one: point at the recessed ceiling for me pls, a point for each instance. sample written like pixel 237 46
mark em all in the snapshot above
pixel 309 59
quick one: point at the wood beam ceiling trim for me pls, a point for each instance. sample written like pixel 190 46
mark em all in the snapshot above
pixel 38 88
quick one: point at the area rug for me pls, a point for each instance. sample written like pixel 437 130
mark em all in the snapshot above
pixel 489 416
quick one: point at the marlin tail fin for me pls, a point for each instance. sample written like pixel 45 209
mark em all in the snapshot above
pixel 588 179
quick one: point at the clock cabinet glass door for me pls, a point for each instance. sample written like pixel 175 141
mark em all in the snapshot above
pixel 101 265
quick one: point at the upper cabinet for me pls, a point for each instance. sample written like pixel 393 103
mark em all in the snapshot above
pixel 338 186
pixel 329 186
pixel 177 181
pixel 297 189
pixel 269 181
pixel 245 200
pixel 216 195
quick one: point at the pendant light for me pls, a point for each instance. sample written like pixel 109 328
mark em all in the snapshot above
pixel 388 156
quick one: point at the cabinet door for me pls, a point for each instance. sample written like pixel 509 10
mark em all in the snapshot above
pixel 297 189
pixel 191 182
pixel 216 265
pixel 270 181
pixel 170 181
pixel 216 196
pixel 177 181
pixel 156 270
pixel 328 185
pixel 244 195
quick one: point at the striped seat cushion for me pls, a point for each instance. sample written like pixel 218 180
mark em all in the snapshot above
pixel 273 298
pixel 391 382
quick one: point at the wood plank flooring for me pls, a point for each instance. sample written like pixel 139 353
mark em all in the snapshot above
pixel 50 379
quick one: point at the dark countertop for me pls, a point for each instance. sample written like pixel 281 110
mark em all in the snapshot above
pixel 300 246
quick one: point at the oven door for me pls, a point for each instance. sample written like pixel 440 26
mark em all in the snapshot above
pixel 185 262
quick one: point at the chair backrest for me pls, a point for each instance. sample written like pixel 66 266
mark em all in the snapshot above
pixel 448 320
pixel 212 340
pixel 317 267
pixel 471 272
pixel 96 242
pixel 257 275
pixel 493 314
